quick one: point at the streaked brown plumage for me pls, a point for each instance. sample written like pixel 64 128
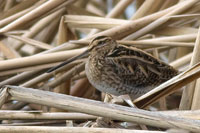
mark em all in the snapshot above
pixel 121 70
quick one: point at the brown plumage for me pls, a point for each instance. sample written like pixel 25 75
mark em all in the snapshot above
pixel 120 70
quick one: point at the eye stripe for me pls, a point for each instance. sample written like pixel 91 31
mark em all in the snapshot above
pixel 99 38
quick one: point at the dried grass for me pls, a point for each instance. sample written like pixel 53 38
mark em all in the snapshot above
pixel 36 35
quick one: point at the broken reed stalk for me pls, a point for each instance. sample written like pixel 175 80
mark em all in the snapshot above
pixel 98 108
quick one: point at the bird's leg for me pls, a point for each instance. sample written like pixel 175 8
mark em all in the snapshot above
pixel 128 100
pixel 107 98
pixel 101 121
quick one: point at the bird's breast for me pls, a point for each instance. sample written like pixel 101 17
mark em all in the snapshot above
pixel 98 76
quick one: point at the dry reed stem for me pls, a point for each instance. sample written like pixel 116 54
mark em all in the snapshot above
pixel 9 19
pixel 196 89
pixel 119 8
pixel 168 3
pixel 63 36
pixel 129 27
pixel 144 43
pixel 27 75
pixel 46 35
pixel 184 6
pixel 41 10
pixel 101 109
pixel 181 61
pixel 46 76
pixel 40 123
pixel 66 76
pixel 35 129
pixel 81 21
pixel 38 115
pixel 7 51
pixel 143 9
pixel 38 59
pixel 169 31
pixel 124 30
pixel 188 93
pixel 73 9
pixel 80 87
pixel 178 38
pixel 114 13
pixel 29 68
pixel 32 42
pixel 9 4
pixel 156 6
pixel 80 76
pixel 189 114
pixel 3 96
pixel 20 77
pixel 179 31
pixel 21 6
pixel 36 28
pixel 89 94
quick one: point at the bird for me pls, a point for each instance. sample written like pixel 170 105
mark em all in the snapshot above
pixel 122 70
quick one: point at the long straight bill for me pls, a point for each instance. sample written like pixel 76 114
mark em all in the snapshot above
pixel 68 61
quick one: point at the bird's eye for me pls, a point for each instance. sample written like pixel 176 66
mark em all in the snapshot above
pixel 101 43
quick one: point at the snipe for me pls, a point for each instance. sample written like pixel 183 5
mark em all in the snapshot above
pixel 122 70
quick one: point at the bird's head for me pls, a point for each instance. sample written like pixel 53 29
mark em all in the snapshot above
pixel 101 44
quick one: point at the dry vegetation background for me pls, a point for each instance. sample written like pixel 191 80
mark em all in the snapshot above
pixel 37 35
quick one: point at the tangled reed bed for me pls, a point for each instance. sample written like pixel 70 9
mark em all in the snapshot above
pixel 37 35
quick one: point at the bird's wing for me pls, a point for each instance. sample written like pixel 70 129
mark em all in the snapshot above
pixel 138 67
